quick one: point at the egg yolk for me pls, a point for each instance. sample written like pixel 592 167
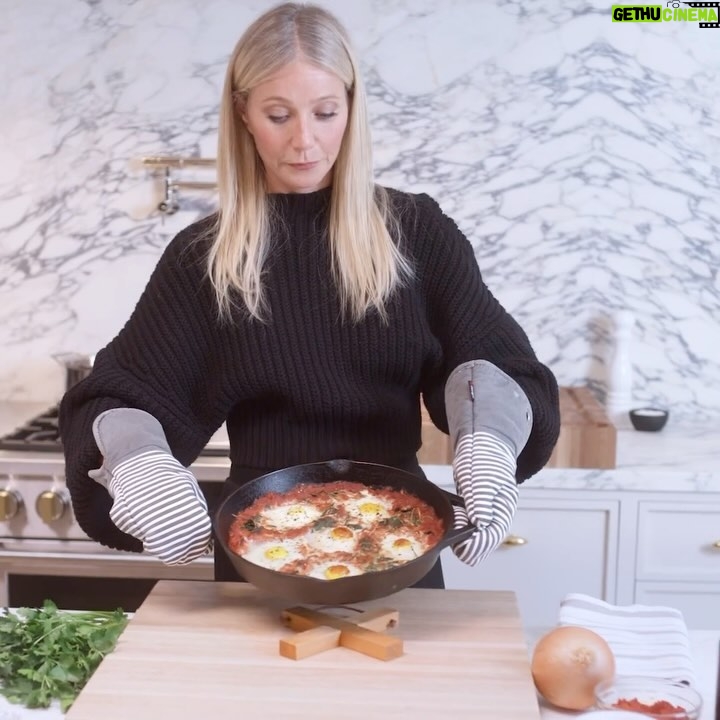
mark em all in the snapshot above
pixel 277 552
pixel 402 544
pixel 370 508
pixel 336 571
pixel 296 512
pixel 341 533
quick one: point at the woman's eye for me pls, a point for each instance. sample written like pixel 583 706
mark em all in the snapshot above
pixel 280 119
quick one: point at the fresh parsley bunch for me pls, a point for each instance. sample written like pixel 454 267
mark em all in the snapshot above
pixel 48 654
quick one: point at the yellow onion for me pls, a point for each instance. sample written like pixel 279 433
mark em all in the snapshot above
pixel 567 663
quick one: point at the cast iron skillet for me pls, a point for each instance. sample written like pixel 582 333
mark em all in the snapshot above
pixel 354 588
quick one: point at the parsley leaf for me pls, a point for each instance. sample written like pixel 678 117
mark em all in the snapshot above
pixel 324 521
pixel 47 654
pixel 392 522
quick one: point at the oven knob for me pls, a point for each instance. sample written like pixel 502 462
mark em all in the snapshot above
pixel 10 503
pixel 51 505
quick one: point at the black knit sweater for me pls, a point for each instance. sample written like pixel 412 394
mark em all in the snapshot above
pixel 305 386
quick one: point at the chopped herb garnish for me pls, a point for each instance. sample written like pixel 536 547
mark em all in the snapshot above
pixel 325 521
pixel 380 563
pixel 392 522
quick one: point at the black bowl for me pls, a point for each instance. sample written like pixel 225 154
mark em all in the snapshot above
pixel 648 419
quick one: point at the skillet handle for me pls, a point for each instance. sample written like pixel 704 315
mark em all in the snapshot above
pixel 456 535
pixel 453 498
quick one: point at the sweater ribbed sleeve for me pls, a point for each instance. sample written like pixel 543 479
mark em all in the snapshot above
pixel 472 325
pixel 159 362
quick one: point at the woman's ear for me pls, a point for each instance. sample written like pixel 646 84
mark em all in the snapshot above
pixel 240 102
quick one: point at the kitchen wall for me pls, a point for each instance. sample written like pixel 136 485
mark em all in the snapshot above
pixel 581 156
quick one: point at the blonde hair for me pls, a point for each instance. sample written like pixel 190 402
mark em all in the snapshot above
pixel 363 229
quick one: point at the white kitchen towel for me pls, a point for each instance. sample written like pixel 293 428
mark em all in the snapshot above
pixel 646 640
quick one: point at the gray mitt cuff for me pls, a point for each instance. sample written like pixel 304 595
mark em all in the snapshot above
pixel 481 397
pixel 123 432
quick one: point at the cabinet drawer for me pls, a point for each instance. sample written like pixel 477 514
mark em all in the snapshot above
pixel 571 548
pixel 698 602
pixel 679 541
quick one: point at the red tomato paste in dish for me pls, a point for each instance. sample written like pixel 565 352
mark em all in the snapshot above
pixel 657 709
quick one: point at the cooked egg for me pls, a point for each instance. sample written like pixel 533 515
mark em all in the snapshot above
pixel 274 554
pixel 289 516
pixel 333 570
pixel 399 547
pixel 335 539
pixel 367 508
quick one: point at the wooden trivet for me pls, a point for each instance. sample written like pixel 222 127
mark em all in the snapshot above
pixel 319 631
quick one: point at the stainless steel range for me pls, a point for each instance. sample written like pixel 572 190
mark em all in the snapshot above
pixel 43 551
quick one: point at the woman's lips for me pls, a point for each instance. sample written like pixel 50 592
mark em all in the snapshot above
pixel 303 166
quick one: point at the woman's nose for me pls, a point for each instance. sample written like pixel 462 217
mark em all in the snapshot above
pixel 302 135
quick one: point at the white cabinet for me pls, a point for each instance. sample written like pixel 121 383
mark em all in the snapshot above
pixel 678 541
pixel 698 602
pixel 678 558
pixel 556 546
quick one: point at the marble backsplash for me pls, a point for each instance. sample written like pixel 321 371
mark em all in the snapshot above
pixel 581 156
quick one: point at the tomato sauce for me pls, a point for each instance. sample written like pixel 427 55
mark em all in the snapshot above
pixel 656 709
pixel 335 507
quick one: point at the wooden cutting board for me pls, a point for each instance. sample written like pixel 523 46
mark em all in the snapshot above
pixel 210 650
pixel 588 439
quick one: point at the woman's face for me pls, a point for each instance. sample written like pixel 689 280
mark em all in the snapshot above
pixel 297 118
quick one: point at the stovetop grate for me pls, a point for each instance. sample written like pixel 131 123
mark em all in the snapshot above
pixel 41 434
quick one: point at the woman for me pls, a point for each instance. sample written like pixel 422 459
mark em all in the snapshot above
pixel 312 313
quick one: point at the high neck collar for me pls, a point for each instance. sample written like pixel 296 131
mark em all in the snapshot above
pixel 300 202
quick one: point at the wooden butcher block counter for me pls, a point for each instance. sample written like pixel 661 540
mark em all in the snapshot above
pixel 210 650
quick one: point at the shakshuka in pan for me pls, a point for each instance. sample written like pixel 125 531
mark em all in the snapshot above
pixel 333 530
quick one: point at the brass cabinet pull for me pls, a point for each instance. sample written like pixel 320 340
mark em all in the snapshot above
pixel 514 540
pixel 716 544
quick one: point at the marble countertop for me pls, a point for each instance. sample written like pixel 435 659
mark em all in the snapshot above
pixel 680 458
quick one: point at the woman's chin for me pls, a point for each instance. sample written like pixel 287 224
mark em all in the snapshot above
pixel 302 182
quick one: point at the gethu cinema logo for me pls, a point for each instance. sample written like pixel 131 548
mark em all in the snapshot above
pixel 703 12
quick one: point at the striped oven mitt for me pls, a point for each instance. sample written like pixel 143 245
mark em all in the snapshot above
pixel 489 418
pixel 155 498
